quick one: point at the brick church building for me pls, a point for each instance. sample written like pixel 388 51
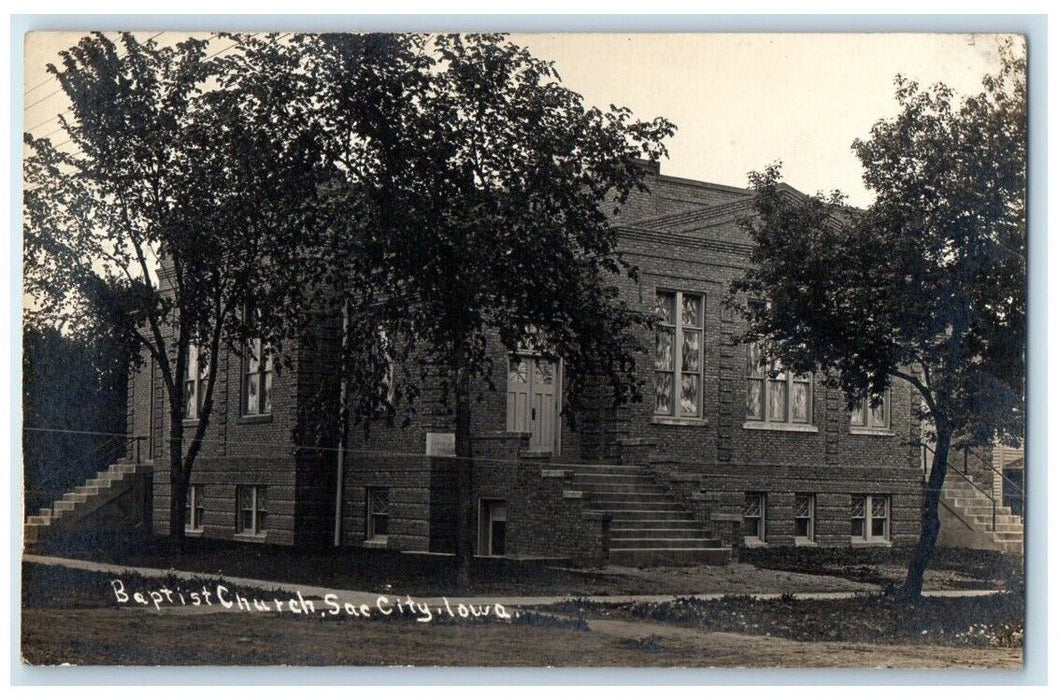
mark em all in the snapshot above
pixel 719 453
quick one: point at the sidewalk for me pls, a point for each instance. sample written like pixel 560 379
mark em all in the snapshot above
pixel 370 598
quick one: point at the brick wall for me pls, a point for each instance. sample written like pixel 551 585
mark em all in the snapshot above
pixel 252 450
pixel 682 236
pixel 545 517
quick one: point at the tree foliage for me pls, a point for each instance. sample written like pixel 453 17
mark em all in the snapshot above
pixel 473 206
pixel 474 218
pixel 926 285
pixel 183 199
pixel 73 406
pixel 446 191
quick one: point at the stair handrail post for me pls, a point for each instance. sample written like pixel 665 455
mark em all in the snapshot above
pixel 1003 477
pixel 970 482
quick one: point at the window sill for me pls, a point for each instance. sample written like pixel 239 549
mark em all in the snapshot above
pixel 879 432
pixel 804 542
pixel 376 543
pixel 871 543
pixel 753 542
pixel 670 420
pixel 250 420
pixel 193 533
pixel 780 427
pixel 247 537
pixel 189 422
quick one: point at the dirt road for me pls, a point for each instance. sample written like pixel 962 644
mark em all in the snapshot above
pixel 145 637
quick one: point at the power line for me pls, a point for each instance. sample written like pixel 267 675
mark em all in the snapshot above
pixel 39 85
pixel 69 109
pixel 50 94
pixel 52 77
pixel 212 55
pixel 53 131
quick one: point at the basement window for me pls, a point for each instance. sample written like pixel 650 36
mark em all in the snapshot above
pixel 804 518
pixel 378 515
pixel 870 518
pixel 753 518
pixel 252 513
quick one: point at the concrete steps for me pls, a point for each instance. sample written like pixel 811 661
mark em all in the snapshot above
pixel 650 505
pixel 665 542
pixel 636 516
pixel 79 503
pixel 970 521
pixel 648 527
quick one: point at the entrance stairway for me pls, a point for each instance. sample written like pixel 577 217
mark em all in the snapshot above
pixel 84 501
pixel 648 527
pixel 966 517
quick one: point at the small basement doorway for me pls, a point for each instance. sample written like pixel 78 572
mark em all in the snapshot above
pixel 492 527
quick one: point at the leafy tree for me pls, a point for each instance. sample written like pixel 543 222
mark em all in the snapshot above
pixel 475 217
pixel 927 285
pixel 73 406
pixel 182 201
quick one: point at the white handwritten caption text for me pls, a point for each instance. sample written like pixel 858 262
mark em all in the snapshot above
pixel 329 606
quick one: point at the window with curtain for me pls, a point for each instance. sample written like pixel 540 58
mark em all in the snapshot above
pixel 866 417
pixel 774 395
pixel 679 354
pixel 257 379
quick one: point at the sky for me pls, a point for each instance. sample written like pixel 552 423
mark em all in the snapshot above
pixel 742 101
pixel 739 101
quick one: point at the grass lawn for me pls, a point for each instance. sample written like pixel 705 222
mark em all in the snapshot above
pixel 71 617
pixel 951 568
pixel 995 620
pixel 777 570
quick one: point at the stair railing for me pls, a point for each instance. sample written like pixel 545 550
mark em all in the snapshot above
pixel 967 454
pixel 104 451
pixel 136 441
pixel 928 453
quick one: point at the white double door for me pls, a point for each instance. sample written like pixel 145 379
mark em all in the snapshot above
pixel 534 394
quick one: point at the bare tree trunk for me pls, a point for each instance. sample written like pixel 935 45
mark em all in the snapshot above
pixel 912 588
pixel 464 478
pixel 177 480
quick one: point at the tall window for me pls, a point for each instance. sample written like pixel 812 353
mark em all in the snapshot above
pixel 867 417
pixel 387 377
pixel 678 355
pixel 194 382
pixel 869 518
pixel 753 517
pixel 252 504
pixel 194 509
pixel 782 398
pixel 377 513
pixel 257 379
pixel 805 517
